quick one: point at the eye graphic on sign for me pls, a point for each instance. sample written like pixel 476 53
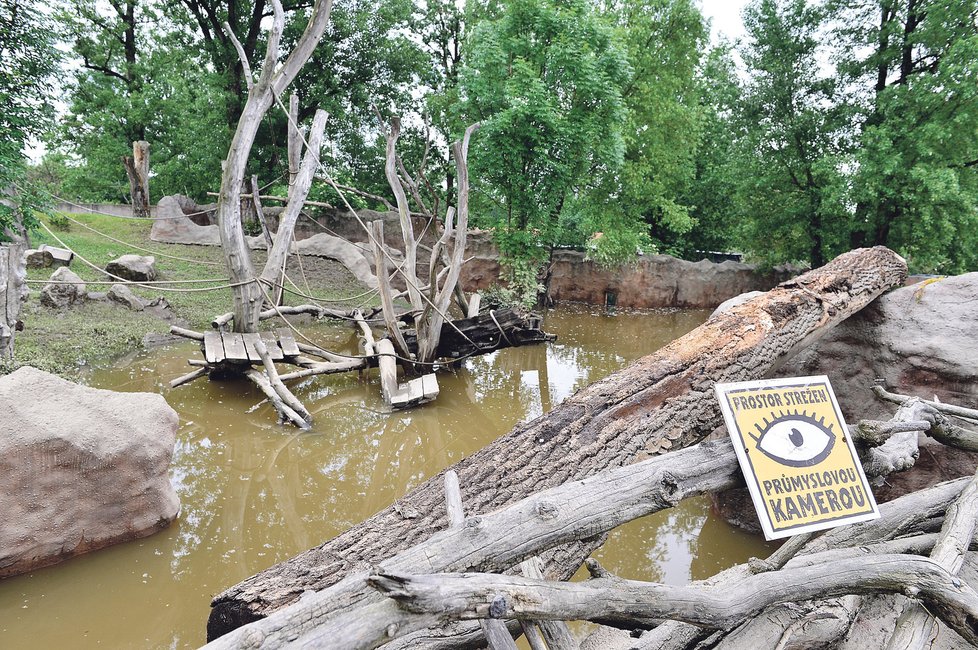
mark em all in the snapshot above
pixel 795 439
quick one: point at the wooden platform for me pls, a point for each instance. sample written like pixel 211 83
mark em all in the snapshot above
pixel 231 346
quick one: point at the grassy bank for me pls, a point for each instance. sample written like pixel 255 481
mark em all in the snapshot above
pixel 93 332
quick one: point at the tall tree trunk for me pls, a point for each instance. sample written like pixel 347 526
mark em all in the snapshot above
pixel 246 292
pixel 13 290
pixel 137 169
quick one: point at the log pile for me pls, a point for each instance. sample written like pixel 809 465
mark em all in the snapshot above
pixel 413 589
pixel 661 402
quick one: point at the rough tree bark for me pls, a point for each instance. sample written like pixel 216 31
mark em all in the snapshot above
pixel 13 290
pixel 137 169
pixel 661 401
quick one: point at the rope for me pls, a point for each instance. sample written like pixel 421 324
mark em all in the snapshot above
pixel 380 245
pixel 87 209
pixel 145 285
pixel 138 248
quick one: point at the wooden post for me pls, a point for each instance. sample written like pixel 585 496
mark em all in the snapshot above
pixel 388 369
pixel 12 291
pixel 137 169
pixel 475 301
pixel 295 142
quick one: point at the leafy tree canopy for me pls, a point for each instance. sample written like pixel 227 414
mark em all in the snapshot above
pixel 28 62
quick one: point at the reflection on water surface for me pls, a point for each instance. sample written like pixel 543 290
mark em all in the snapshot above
pixel 255 493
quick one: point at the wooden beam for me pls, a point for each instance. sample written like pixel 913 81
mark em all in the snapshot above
pixel 189 377
pixel 185 333
pixel 213 347
pixel 281 389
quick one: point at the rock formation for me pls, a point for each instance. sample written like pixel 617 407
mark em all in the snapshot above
pixel 123 295
pixel 81 468
pixel 67 289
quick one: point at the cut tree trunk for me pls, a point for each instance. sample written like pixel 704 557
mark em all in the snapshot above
pixel 660 402
pixel 137 169
pixel 13 289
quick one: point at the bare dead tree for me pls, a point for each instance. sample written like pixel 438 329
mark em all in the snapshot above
pixel 262 93
pixel 430 300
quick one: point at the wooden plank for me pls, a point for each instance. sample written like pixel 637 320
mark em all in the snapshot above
pixel 249 344
pixel 429 386
pixel 213 347
pixel 234 347
pixel 271 344
pixel 287 342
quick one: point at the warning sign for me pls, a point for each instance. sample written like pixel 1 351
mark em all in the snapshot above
pixel 796 455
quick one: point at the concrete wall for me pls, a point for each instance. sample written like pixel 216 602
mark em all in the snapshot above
pixel 115 209
pixel 652 282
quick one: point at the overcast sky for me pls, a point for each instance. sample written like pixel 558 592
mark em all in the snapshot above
pixel 724 16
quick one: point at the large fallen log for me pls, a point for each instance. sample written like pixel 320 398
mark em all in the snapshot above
pixel 661 401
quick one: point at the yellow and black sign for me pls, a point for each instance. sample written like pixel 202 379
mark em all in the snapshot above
pixel 796 455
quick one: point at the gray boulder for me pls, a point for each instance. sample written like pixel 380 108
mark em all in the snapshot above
pixel 138 268
pixel 38 258
pixel 173 226
pixel 921 340
pixel 81 469
pixel 67 290
pixel 123 295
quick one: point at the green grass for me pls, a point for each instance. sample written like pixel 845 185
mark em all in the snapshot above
pixel 91 333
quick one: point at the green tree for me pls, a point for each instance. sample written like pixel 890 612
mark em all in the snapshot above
pixel 664 41
pixel 710 194
pixel 544 78
pixel 916 95
pixel 791 155
pixel 28 61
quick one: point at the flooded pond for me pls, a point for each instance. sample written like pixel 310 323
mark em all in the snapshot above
pixel 254 493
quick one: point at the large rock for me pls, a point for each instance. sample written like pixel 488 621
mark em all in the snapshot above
pixel 347 253
pixel 120 293
pixel 173 226
pixel 81 468
pixel 918 340
pixel 137 268
pixel 38 258
pixel 66 290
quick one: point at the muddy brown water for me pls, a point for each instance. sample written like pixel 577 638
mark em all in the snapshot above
pixel 254 493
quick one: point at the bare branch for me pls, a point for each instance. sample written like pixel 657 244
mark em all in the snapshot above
pixel 249 78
